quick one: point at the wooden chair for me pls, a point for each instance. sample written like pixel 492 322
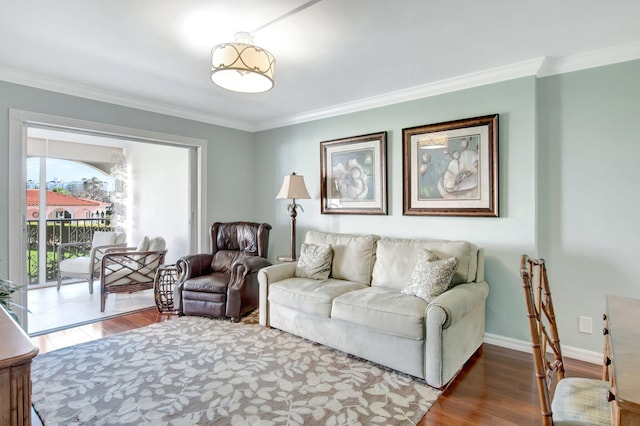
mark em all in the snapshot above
pixel 563 401
pixel 131 269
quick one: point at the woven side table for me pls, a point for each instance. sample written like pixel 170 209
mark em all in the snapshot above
pixel 163 286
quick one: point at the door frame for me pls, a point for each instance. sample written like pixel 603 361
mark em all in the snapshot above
pixel 20 120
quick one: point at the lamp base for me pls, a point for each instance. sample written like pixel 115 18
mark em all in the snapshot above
pixel 286 259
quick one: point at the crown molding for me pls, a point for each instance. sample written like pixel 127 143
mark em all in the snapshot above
pixel 88 92
pixel 493 75
pixel 539 67
pixel 582 61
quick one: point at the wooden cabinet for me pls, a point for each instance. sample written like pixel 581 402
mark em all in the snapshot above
pixel 16 353
pixel 622 349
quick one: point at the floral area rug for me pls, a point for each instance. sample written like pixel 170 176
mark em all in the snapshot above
pixel 198 371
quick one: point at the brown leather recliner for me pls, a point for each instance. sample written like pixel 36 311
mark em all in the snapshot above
pixel 224 283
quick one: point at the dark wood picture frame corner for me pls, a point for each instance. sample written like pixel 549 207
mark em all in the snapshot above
pixel 353 175
pixel 451 168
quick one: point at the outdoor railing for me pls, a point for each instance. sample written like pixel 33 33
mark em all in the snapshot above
pixel 58 231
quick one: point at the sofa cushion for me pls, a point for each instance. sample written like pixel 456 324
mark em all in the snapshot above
pixel 396 258
pixel 353 255
pixel 384 310
pixel 308 295
pixel 431 276
pixel 314 261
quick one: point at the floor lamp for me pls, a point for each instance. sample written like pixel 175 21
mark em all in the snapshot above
pixel 292 188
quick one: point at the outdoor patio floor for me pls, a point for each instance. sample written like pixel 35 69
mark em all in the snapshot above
pixel 73 305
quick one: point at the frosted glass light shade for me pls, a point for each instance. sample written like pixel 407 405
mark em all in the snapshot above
pixel 242 67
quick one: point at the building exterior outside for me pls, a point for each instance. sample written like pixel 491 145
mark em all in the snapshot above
pixel 61 206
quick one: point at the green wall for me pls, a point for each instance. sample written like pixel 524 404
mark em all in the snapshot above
pixel 297 148
pixel 589 200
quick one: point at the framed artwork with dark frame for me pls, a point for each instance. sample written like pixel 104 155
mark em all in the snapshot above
pixel 353 175
pixel 451 169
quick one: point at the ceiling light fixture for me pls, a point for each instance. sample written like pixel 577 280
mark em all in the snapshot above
pixel 241 66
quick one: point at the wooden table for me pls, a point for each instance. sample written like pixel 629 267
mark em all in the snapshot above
pixel 622 334
pixel 16 353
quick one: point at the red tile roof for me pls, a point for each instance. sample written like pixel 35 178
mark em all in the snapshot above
pixel 56 199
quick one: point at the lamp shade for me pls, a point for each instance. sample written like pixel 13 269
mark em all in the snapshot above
pixel 293 188
pixel 242 66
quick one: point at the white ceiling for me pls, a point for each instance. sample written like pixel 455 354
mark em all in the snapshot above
pixel 333 57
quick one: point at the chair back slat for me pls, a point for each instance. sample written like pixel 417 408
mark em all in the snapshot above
pixel 545 342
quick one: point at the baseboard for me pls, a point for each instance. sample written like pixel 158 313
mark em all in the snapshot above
pixel 525 346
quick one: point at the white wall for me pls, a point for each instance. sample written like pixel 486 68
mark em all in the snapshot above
pixel 158 185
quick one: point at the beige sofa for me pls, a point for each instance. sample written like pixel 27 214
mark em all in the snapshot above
pixel 361 310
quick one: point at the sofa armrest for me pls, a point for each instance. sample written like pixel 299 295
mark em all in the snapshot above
pixel 268 276
pixel 455 330
pixel 455 303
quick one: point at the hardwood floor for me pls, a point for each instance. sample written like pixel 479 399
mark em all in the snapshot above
pixel 496 387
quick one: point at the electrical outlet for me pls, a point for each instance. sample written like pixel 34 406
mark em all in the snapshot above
pixel 585 325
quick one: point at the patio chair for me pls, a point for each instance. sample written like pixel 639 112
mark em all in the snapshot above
pixel 82 259
pixel 563 401
pixel 131 269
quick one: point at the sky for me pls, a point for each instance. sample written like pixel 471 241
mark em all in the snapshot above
pixel 64 170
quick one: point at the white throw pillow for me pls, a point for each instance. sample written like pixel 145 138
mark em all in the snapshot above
pixel 315 261
pixel 431 276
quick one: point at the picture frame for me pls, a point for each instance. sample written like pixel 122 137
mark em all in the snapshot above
pixel 353 175
pixel 451 168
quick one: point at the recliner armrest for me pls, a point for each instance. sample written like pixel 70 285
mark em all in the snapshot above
pixel 194 265
pixel 252 264
pixel 244 267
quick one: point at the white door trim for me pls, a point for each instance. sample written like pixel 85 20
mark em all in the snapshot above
pixel 20 120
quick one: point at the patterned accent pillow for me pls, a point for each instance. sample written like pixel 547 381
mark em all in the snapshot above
pixel 314 261
pixel 431 276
